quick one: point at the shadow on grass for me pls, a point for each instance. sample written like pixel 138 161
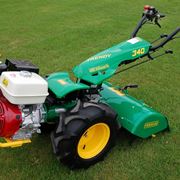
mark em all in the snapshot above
pixel 126 139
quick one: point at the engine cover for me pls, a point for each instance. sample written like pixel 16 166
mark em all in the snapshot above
pixel 23 87
pixel 10 117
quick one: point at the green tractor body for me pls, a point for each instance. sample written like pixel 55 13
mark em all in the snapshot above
pixel 103 65
pixel 133 115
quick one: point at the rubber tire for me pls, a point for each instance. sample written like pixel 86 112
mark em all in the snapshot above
pixel 67 134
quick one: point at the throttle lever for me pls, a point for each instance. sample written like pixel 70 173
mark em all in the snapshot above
pixel 156 22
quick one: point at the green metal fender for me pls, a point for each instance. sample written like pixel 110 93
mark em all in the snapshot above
pixel 135 116
pixel 61 85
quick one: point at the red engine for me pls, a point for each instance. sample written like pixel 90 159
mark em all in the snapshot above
pixel 10 117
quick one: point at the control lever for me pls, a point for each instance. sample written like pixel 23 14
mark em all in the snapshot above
pixel 156 22
pixel 129 86
pixel 164 35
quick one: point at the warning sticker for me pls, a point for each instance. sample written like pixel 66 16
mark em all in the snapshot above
pixel 133 40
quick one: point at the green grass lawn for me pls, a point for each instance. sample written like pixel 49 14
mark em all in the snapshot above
pixel 57 35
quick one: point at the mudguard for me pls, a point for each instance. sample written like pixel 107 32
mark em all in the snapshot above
pixel 135 116
pixel 61 85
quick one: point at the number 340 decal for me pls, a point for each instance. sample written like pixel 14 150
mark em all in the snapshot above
pixel 138 52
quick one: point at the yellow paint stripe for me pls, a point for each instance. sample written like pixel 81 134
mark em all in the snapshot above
pixel 15 143
pixel 120 93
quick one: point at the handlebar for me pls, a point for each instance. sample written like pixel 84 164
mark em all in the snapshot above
pixel 150 14
pixel 167 39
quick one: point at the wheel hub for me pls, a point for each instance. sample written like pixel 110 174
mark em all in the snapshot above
pixel 93 140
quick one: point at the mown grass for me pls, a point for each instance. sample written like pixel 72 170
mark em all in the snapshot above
pixel 57 35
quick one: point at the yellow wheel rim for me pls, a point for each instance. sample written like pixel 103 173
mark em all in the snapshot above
pixel 93 140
